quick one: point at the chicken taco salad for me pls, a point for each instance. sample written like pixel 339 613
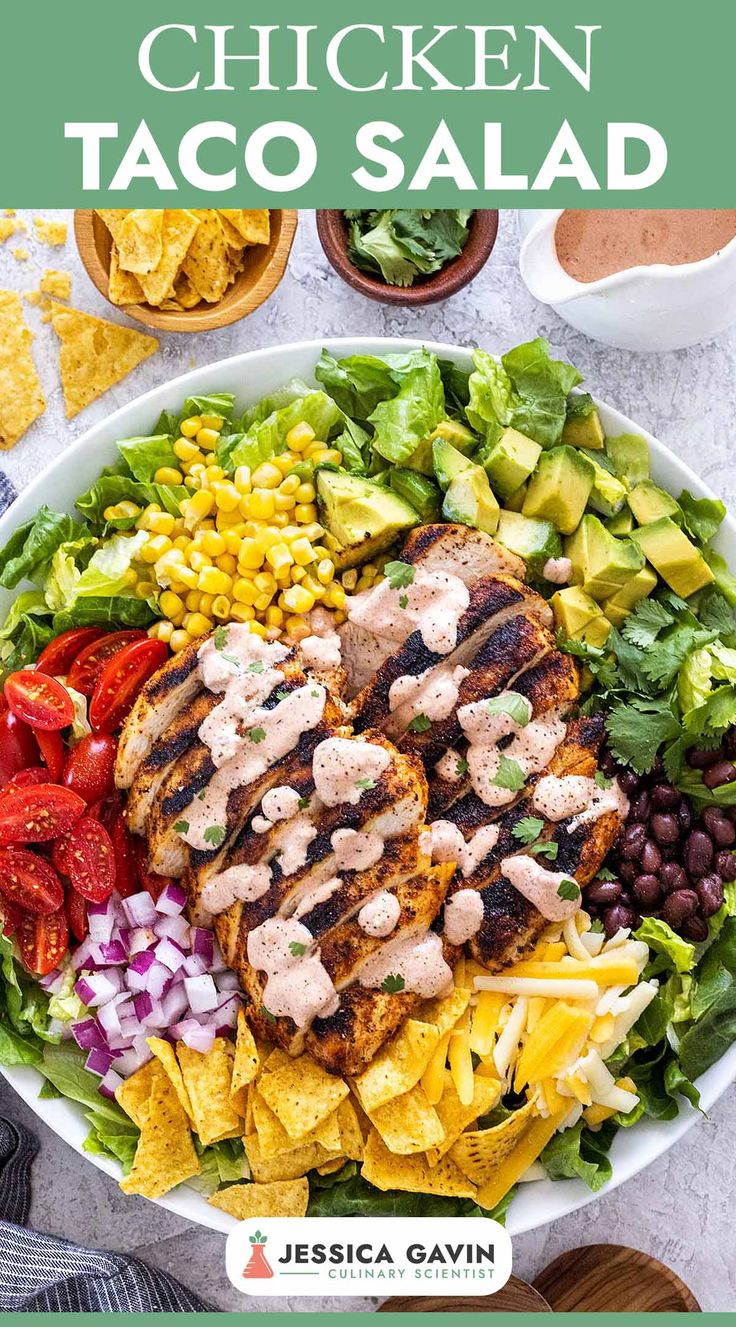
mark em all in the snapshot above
pixel 368 792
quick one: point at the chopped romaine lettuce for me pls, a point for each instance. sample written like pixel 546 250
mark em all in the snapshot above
pixel 28 553
pixel 144 456
pixel 703 516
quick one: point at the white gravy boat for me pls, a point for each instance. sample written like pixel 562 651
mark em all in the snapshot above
pixel 660 307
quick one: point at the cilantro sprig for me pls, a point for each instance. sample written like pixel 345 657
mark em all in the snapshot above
pixel 399 574
pixel 510 775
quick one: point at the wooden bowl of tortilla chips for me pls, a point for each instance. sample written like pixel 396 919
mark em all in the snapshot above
pixel 185 270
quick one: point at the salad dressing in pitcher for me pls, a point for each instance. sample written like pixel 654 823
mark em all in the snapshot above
pixel 591 245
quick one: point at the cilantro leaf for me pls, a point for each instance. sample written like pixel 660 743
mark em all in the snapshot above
pixel 662 665
pixel 214 834
pixel 510 775
pixel 255 667
pixel 644 625
pixel 568 889
pixel 303 803
pixel 365 784
pixel 271 1018
pixel 596 926
pixel 181 827
pixel 601 780
pixel 512 703
pixel 637 727
pixel 528 829
pixel 282 693
pixel 296 948
pixel 399 574
pixel 461 767
pixel 548 850
pixel 605 874
pixel 403 600
pixel 257 735
pixel 419 724
pixel 221 637
pixel 393 984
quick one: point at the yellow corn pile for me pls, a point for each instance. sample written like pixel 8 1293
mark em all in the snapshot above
pixel 246 549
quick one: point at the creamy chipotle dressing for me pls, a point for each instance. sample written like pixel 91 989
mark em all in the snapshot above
pixel 449 766
pixel 418 960
pixel 340 767
pixel 533 744
pixel 280 803
pixel 433 693
pixel 246 883
pixel 433 605
pixel 356 850
pixel 577 797
pixel 594 244
pixel 311 898
pixel 293 855
pixel 557 570
pixel 540 887
pixel 463 916
pixel 321 651
pixel 298 985
pixel 448 845
pixel 378 917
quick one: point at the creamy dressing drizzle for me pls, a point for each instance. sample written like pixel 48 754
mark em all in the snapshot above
pixel 578 797
pixel 321 651
pixel 433 605
pixel 448 845
pixel 298 985
pixel 557 570
pixel 246 883
pixel 294 853
pixel 417 959
pixel 532 746
pixel 539 886
pixel 339 765
pixel 463 916
pixel 320 894
pixel 433 692
pixel 356 850
pixel 280 803
pixel 447 766
pixel 378 917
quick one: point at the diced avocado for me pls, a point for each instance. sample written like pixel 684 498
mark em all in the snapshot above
pixel 622 522
pixel 457 434
pixel 578 616
pixel 362 517
pixel 649 503
pixel 469 499
pixel 533 540
pixel 629 455
pixel 608 494
pixel 584 431
pixel 516 501
pixel 621 603
pixel 511 461
pixel 601 563
pixel 421 493
pixel 448 462
pixel 560 487
pixel 673 555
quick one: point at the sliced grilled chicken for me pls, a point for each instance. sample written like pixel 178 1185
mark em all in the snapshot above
pixel 493 601
pixel 164 697
pixel 460 551
pixel 178 738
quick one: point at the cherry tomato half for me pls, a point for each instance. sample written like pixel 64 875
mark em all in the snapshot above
pixel 90 860
pixel 121 680
pixel 29 881
pixel 39 700
pixel 51 746
pixel 43 941
pixel 148 880
pixel 87 666
pixel 10 917
pixel 58 854
pixel 126 878
pixel 18 746
pixel 59 655
pixel 76 914
pixel 36 814
pixel 90 766
pixel 27 778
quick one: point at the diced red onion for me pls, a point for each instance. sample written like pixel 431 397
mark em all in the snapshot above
pixel 171 901
pixel 203 944
pixel 227 981
pixel 98 1062
pixel 194 966
pixel 139 909
pixel 176 928
pixel 198 1037
pixel 227 1013
pixel 110 1083
pixel 170 953
pixel 218 963
pixel 97 988
pixel 202 994
pixel 82 956
pixel 88 1035
pixel 136 977
pixel 132 1059
pixel 52 982
pixel 101 924
pixel 174 1005
pixel 141 938
pixel 158 980
pixel 113 952
pixel 109 1020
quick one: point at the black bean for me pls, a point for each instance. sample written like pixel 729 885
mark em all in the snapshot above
pixel 628 871
pixel 694 928
pixel 665 797
pixel 617 916
pixel 698 854
pixel 729 744
pixel 699 758
pixel 722 772
pixel 669 851
pixel 672 876
pixel 719 827
pixel 629 781
pixel 664 827
pixel 608 764
pixel 633 841
pixel 710 893
pixel 726 866
pixel 639 808
pixel 646 890
pixel 603 892
pixel 684 816
pixel 651 857
pixel 678 906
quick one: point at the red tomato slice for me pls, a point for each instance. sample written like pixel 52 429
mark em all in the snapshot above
pixel 51 746
pixel 11 917
pixel 90 767
pixel 76 912
pixel 29 882
pixel 27 778
pixel 90 860
pixel 126 877
pixel 43 941
pixel 18 746
pixel 59 655
pixel 39 700
pixel 85 670
pixel 58 854
pixel 148 880
pixel 121 680
pixel 34 815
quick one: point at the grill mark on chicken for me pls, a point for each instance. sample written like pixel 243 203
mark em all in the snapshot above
pixel 460 551
pixel 178 738
pixel 158 705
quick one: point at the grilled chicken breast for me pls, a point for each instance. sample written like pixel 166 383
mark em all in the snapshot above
pixel 164 697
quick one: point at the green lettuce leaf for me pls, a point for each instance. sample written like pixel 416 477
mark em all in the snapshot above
pixel 402 422
pixel 28 553
pixel 355 1197
pixel 24 1011
pixel 542 385
pixel 724 579
pixel 144 456
pixel 703 516
pixel 491 398
pixel 579 1153
pixel 106 573
pixel 25 632
pixel 267 437
pixel 679 953
pixel 216 403
pixel 220 1163
pixel 110 489
pixel 695 682
pixel 112 1138
pixel 114 611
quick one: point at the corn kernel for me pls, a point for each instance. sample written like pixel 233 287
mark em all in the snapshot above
pixel 265 537
pixel 297 575
pixel 197 624
pixel 285 461
pixel 212 543
pixel 185 450
pixel 212 422
pixel 221 607
pixel 335 596
pixel 312 584
pixel 242 613
pixel 249 554
pixel 232 542
pixel 350 579
pixel 227 563
pixel 171 603
pixel 258 629
pixel 205 603
pixel 214 472
pixel 296 599
pixel 262 602
pixel 261 504
pixel 297 628
pixel 242 479
pixel 198 561
pixel 166 474
pixel 214 581
pixel 198 468
pixel 274 617
pixel 244 592
pixel 325 571
pixel 208 439
pixel 284 502
pixel 228 520
pixel 146 590
pixel 305 512
pixel 161 522
pixel 187 577
pixel 300 436
pixel 156 546
pixel 226 496
pixel 191 426
pixel 280 519
pixel 265 583
pixel 306 493
pixel 313 532
pixel 193 600
pixel 279 555
pixel 197 508
pixel 290 484
pixel 266 475
pixel 161 631
pixel 179 640
pixel 302 551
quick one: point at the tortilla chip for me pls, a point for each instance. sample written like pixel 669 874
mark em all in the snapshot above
pixel 455 1117
pixel 274 1058
pixel 50 232
pixel 409 1123
pixel 95 355
pixel 139 239
pixel 385 1170
pixel 232 234
pixel 21 398
pixel 290 1166
pixel 302 1094
pixel 280 1198
pixel 166 1055
pixel 398 1066
pixel 32 297
pixel 184 297
pixel 179 229
pixel 351 1136
pixel 275 1141
pixel 245 1065
pixel 445 1011
pixel 21 255
pixel 253 226
pixel 165 1155
pixel 479 1154
pixel 123 287
pixel 207 1079
pixel 8 228
pixel 207 262
pixel 57 284
pixel 331 1167
pixel 132 1095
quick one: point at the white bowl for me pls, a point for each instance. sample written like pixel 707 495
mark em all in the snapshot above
pixel 251 376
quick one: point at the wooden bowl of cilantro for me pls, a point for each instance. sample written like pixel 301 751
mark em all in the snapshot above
pixel 407 256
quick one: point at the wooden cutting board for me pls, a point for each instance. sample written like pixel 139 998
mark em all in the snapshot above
pixel 610 1278
pixel 516 1296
